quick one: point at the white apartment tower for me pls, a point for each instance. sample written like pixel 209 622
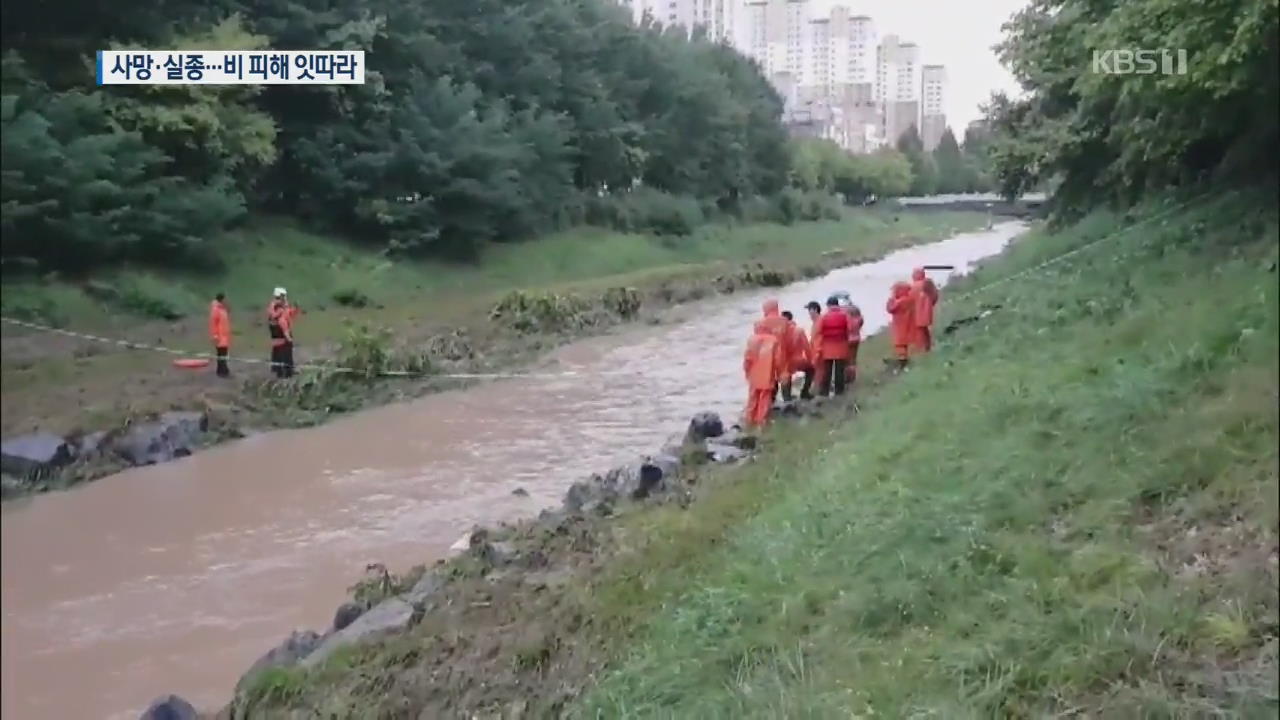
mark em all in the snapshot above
pixel 753 40
pixel 896 91
pixel 718 18
pixel 897 64
pixel 933 120
pixel 820 69
pixel 837 77
pixel 840 52
pixel 862 44
pixel 798 43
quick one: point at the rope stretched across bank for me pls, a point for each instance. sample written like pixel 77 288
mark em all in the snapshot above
pixel 567 373
pixel 311 366
pixel 1075 251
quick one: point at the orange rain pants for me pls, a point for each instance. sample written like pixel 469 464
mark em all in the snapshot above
pixel 902 318
pixel 763 364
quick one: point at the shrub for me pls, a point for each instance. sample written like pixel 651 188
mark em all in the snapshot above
pixel 365 351
pixel 350 297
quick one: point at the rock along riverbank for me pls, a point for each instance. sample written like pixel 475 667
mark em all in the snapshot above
pixel 539 552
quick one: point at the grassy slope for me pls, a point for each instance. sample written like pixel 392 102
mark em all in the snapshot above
pixel 1069 508
pixel 313 267
pixel 58 384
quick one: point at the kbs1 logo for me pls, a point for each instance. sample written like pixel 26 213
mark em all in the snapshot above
pixel 1140 62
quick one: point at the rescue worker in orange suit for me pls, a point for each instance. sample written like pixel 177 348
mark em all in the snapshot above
pixel 833 342
pixel 220 332
pixel 799 360
pixel 763 364
pixel 926 297
pixel 815 344
pixel 902 330
pixel 779 326
pixel 855 340
pixel 280 317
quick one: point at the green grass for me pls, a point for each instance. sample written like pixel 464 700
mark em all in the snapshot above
pixel 57 384
pixel 318 269
pixel 1068 509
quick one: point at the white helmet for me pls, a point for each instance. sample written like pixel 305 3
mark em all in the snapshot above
pixel 280 292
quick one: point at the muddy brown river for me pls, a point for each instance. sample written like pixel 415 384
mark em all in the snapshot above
pixel 175 578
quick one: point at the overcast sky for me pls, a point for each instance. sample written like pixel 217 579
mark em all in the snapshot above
pixel 955 33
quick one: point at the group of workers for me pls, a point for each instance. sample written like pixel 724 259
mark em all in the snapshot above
pixel 777 350
pixel 280 318
pixel 827 356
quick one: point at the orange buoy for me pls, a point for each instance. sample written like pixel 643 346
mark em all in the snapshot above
pixel 191 363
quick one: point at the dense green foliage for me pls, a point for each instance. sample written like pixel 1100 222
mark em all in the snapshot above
pixel 820 165
pixel 480 121
pixel 948 168
pixel 1102 136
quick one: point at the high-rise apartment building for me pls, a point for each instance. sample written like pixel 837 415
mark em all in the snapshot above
pixel 771 33
pixel 798 40
pixel 897 65
pixel 753 34
pixel 820 70
pixel 862 49
pixel 933 120
pixel 717 18
pixel 832 69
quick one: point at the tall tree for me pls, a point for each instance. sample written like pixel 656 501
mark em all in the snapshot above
pixel 953 171
pixel 924 174
pixel 1107 135
pixel 480 121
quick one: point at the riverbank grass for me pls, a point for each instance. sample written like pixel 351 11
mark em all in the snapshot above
pixel 328 275
pixel 58 384
pixel 1070 507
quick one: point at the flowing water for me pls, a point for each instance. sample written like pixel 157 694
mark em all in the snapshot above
pixel 176 577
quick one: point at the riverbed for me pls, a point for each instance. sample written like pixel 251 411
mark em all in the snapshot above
pixel 176 577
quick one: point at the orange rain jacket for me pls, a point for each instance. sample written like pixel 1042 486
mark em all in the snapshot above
pixel 855 325
pixel 799 346
pixel 219 325
pixel 763 363
pixel 833 334
pixel 776 325
pixel 902 314
pixel 926 297
pixel 280 317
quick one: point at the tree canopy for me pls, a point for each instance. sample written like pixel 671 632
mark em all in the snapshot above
pixel 480 121
pixel 1109 136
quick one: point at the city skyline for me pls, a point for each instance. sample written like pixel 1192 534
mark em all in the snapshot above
pixel 958 36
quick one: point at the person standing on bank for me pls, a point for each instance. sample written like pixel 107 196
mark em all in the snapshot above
pixel 280 315
pixel 799 360
pixel 815 343
pixel 925 293
pixel 833 342
pixel 220 332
